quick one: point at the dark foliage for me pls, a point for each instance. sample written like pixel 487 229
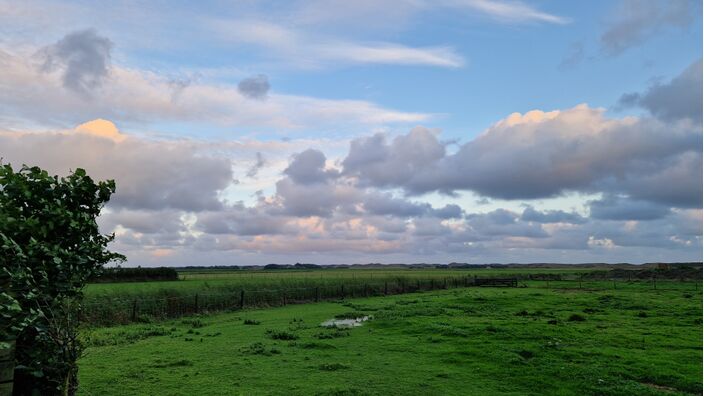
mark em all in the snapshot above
pixel 138 274
pixel 50 246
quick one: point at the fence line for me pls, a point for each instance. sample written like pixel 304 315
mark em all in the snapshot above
pixel 125 310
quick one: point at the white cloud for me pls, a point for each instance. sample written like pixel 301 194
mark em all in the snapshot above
pixel 509 11
pixel 128 94
pixel 309 50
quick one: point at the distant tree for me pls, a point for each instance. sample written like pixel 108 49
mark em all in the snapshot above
pixel 50 246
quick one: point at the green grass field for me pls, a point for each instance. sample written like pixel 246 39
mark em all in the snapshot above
pixel 520 341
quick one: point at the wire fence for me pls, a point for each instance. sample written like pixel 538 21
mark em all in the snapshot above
pixel 113 311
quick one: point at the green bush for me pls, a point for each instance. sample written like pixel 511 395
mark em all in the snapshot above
pixel 50 246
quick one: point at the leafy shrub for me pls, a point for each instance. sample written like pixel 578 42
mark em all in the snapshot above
pixel 259 348
pixel 576 318
pixel 50 246
pixel 281 335
pixel 333 366
pixel 251 322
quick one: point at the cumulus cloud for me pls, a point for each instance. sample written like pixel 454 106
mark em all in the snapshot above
pixel 170 207
pixel 255 87
pixel 390 164
pixel 635 21
pixel 308 167
pixel 150 174
pixel 541 154
pixel 83 57
pixel 679 98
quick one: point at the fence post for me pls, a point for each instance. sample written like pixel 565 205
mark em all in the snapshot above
pixel 342 291
pixel 7 367
pixel 386 288
pixel 317 294
pixel 580 280
pixel 196 303
pixel 465 281
pixel 134 310
pixel 242 299
pixel 655 283
pixel 432 284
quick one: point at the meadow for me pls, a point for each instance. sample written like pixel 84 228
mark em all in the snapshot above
pixel 463 341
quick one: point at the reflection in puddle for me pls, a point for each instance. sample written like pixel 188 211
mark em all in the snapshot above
pixel 344 323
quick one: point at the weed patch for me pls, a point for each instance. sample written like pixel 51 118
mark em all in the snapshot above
pixel 281 335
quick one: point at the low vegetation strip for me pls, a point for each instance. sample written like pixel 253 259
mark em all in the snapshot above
pixel 120 303
pixel 126 308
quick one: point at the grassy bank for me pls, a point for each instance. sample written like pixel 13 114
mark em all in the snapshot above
pixel 462 341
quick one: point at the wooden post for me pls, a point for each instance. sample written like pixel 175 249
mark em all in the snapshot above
pixel 465 281
pixel 655 285
pixel 386 288
pixel 196 303
pixel 242 299
pixel 134 310
pixel 580 280
pixel 432 284
pixel 7 368
pixel 342 291
pixel 317 294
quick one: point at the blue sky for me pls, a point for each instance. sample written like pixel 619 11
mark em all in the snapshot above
pixel 254 94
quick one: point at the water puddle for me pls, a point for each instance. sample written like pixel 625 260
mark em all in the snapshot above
pixel 345 323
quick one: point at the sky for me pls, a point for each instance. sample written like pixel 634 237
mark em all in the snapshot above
pixel 407 131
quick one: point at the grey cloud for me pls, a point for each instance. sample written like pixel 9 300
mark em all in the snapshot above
pixel 679 98
pixel 551 216
pixel 385 204
pixel 449 211
pixel 637 20
pixel 259 164
pixel 83 57
pixel 308 167
pixel 622 208
pixel 539 155
pixel 255 87
pixel 319 199
pixel 675 181
pixel 149 174
pixel 143 221
pixel 383 164
pixel 574 56
pixel 503 223
pixel 240 220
